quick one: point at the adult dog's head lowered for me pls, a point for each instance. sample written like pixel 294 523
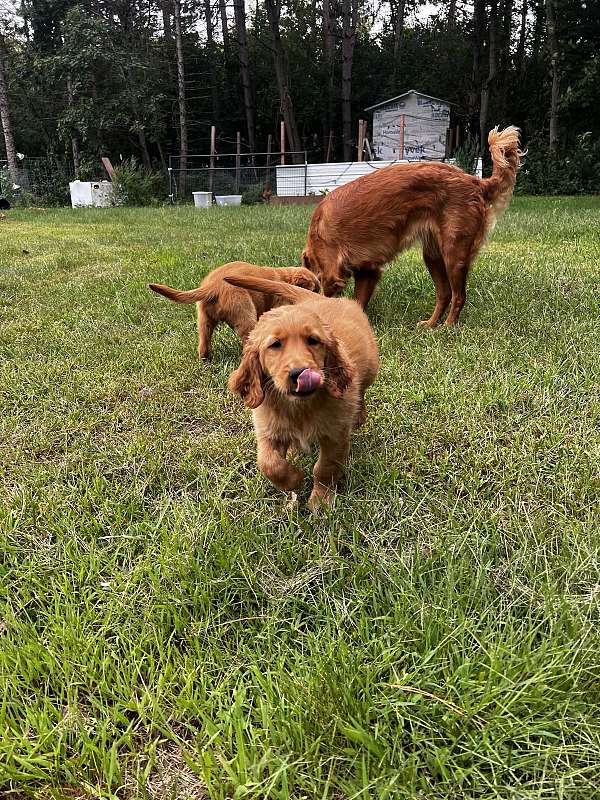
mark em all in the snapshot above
pixel 291 355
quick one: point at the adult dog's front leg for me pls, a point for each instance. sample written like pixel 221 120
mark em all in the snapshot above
pixel 365 283
pixel 332 456
pixel 272 464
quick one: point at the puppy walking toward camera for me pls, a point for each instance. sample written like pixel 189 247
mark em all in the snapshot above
pixel 218 301
pixel 304 372
pixel 358 228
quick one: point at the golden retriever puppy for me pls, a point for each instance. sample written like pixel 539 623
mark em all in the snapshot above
pixel 218 301
pixel 356 229
pixel 304 372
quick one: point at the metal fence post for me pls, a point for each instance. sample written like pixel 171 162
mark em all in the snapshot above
pixel 170 171
pixel 305 173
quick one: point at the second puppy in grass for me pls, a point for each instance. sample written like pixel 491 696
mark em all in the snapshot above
pixel 218 301
pixel 304 372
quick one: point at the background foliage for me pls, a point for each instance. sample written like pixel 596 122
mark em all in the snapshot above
pixel 101 76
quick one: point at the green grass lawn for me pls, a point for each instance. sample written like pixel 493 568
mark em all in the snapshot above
pixel 169 629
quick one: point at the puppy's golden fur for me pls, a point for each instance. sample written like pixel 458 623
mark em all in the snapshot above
pixel 359 227
pixel 218 301
pixel 330 336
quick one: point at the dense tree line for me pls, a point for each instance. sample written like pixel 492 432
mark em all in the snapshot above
pixel 82 78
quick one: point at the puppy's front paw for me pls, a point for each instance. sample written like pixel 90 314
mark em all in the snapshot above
pixel 320 498
pixel 426 323
pixel 294 479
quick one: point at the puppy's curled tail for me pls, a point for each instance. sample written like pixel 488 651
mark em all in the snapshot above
pixel 287 291
pixel 506 158
pixel 177 296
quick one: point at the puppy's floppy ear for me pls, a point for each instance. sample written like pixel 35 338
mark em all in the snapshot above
pixel 306 279
pixel 247 379
pixel 337 369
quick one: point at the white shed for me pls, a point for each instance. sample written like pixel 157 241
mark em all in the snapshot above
pixel 412 126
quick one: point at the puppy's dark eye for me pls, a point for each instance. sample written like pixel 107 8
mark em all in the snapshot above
pixel 275 345
pixel 313 341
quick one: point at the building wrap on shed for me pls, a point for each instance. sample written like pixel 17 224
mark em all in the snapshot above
pixel 412 126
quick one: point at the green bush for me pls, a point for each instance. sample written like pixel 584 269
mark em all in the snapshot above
pixel 253 195
pixel 467 154
pixel 48 183
pixel 574 172
pixel 136 186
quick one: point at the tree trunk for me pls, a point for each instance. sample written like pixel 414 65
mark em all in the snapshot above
pixel 520 54
pixel 398 9
pixel 166 18
pixel 209 23
pixel 329 54
pixel 451 14
pixel 492 71
pixel 539 27
pixel 224 27
pixel 212 60
pixel 74 138
pixel 399 13
pixel 144 148
pixel 281 73
pixel 183 131
pixel 505 57
pixel 349 22
pixel 11 153
pixel 554 59
pixel 240 26
pixel 478 37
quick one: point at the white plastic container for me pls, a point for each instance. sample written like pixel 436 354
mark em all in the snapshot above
pixel 202 199
pixel 228 199
pixel 96 194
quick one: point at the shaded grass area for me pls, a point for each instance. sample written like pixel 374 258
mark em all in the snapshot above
pixel 168 628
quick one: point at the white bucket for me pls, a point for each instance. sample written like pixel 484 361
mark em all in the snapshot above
pixel 202 199
pixel 91 193
pixel 228 199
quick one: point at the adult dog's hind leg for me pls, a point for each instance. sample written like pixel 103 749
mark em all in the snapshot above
pixel 457 276
pixel 437 269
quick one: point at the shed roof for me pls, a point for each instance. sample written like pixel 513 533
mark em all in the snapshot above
pixel 404 94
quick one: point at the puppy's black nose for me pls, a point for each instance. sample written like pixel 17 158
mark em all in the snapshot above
pixel 294 374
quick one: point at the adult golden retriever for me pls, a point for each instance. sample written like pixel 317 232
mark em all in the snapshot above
pixel 218 301
pixel 359 227
pixel 304 372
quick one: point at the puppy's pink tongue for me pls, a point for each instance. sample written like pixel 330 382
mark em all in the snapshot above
pixel 308 380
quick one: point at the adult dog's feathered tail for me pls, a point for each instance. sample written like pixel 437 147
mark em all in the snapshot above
pixel 506 158
pixel 294 294
pixel 177 296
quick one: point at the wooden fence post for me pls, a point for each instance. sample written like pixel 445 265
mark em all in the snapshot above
pixel 282 139
pixel 211 174
pixel 238 159
pixel 401 151
pixel 329 147
pixel 360 140
pixel 267 188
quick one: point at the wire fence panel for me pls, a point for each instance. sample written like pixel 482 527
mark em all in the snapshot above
pixel 45 179
pixel 253 183
pixel 252 175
